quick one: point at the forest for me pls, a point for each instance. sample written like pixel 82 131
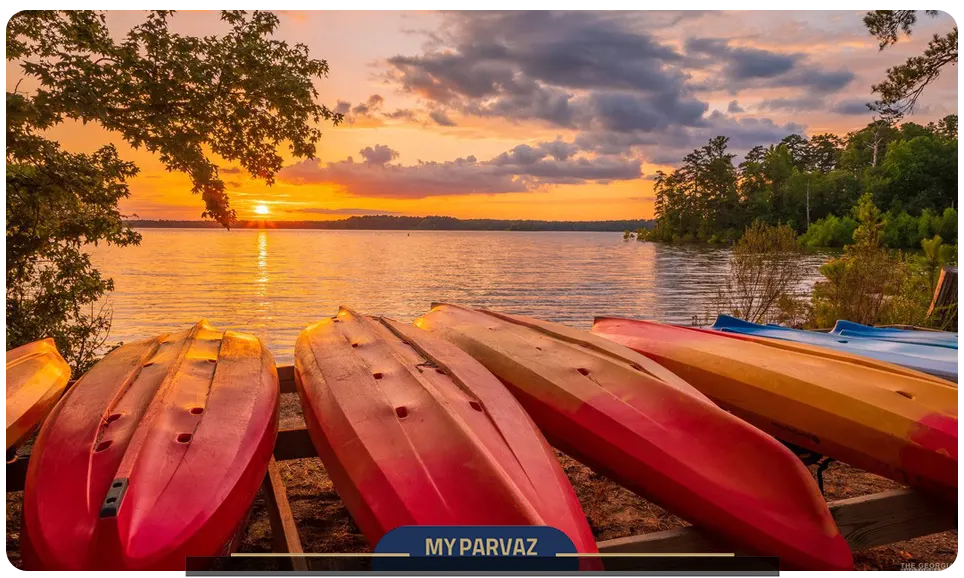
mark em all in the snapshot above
pixel 812 185
pixel 400 223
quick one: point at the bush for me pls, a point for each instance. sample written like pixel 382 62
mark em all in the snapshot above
pixel 764 275
pixel 829 232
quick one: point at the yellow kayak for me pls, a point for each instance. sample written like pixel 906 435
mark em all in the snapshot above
pixel 893 423
pixel 36 377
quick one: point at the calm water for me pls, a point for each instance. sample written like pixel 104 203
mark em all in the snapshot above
pixel 275 282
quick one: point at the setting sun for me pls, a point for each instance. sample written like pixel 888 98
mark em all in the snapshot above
pixel 261 209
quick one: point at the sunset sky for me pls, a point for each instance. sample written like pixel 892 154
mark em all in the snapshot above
pixel 537 115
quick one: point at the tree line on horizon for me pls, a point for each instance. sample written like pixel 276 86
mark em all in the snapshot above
pixel 404 223
pixel 910 170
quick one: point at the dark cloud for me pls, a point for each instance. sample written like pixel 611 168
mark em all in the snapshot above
pixel 738 67
pixel 560 68
pixel 522 169
pixel 230 170
pixel 441 118
pixel 344 212
pixel 378 154
pixel 401 114
pixel 796 104
pixel 343 107
pixel 368 107
pixel 734 107
pixel 854 107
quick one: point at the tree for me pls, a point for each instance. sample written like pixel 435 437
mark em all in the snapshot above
pixel 189 100
pixel 905 82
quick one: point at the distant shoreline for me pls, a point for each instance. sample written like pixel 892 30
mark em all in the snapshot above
pixel 394 223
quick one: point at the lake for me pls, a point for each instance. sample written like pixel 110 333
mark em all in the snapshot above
pixel 275 282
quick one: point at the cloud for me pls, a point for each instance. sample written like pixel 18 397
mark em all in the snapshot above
pixel 852 107
pixel 342 107
pixel 344 212
pixel 230 170
pixel 368 107
pixel 567 69
pixel 441 118
pixel 734 68
pixel 521 169
pixel 378 154
pixel 734 107
pixel 796 104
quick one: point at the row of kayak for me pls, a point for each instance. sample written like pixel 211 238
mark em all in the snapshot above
pixel 158 451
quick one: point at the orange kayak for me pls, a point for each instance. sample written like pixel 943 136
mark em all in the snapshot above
pixel 155 454
pixel 887 420
pixel 36 377
pixel 413 431
pixel 633 420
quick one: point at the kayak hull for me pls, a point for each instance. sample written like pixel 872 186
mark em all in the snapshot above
pixel 154 455
pixel 413 431
pixel 36 378
pixel 937 361
pixel 636 422
pixel 918 337
pixel 890 423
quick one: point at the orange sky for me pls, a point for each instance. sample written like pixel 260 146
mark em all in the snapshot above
pixel 769 57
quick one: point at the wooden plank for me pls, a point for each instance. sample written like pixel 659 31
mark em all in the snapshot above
pixel 286 379
pixel 888 517
pixel 283 529
pixel 865 522
pixel 293 444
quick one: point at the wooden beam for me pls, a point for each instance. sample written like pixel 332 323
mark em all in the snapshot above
pixel 865 522
pixel 293 444
pixel 286 379
pixel 284 532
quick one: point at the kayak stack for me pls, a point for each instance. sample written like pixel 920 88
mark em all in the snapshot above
pixel 157 452
pixel 876 416
pixel 935 355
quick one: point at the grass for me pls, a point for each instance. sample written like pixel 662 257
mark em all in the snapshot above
pixel 324 525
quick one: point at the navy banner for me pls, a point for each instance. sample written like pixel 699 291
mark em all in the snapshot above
pixel 487 548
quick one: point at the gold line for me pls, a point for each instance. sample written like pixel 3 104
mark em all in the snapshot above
pixel 646 555
pixel 319 555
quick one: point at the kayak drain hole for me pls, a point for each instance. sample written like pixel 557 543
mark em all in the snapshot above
pixel 103 445
pixel 117 484
pixel 184 438
pixel 476 405
pixel 401 412
pixel 439 370
pixel 110 500
pixel 377 375
pixel 113 417
pixel 197 410
pixel 842 341
pixel 583 371
pixel 354 345
pixel 905 394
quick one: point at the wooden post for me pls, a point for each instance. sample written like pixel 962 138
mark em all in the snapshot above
pixel 284 532
pixel 945 296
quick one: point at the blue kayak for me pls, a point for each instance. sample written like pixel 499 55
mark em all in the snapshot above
pixel 932 338
pixel 938 361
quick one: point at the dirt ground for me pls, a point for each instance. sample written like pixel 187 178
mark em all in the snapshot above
pixel 325 526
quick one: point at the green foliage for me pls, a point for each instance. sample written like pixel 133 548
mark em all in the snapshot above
pixel 764 275
pixel 872 284
pixel 905 82
pixel 830 232
pixel 237 96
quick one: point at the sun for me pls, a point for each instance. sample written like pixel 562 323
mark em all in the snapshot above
pixel 261 209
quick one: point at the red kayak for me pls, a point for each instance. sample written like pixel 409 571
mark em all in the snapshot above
pixel 156 454
pixel 628 417
pixel 413 431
